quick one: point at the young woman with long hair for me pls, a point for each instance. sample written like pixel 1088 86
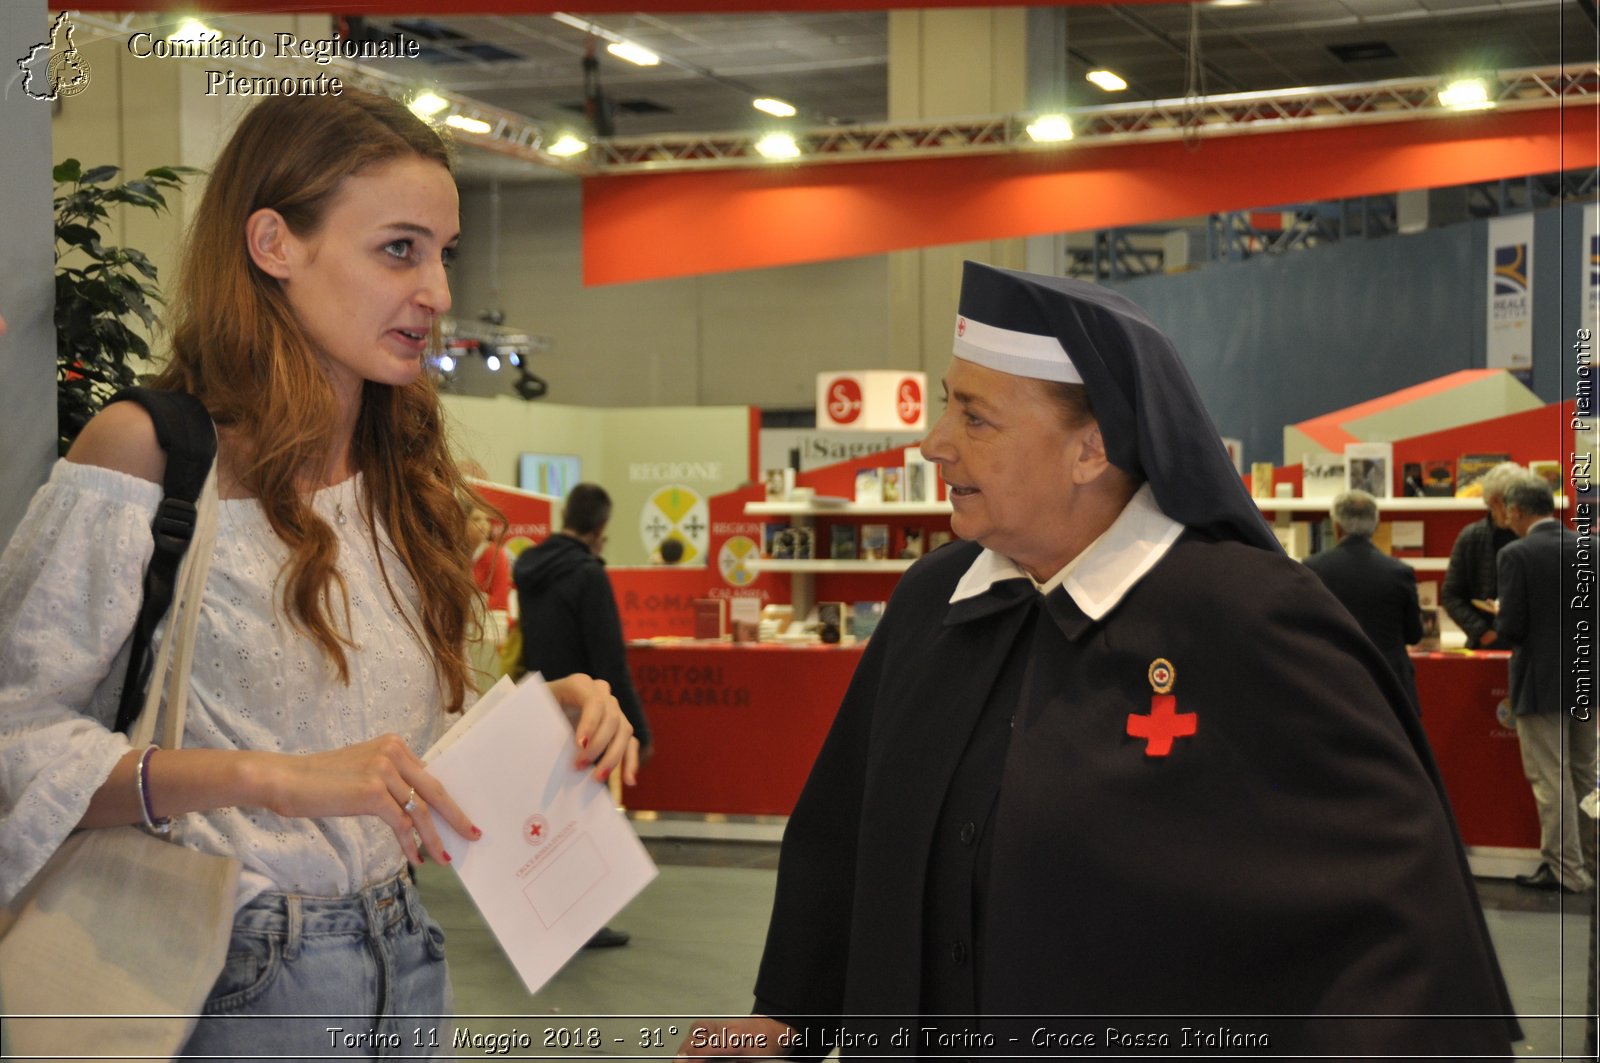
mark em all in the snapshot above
pixel 330 644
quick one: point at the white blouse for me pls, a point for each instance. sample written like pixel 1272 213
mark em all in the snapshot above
pixel 69 592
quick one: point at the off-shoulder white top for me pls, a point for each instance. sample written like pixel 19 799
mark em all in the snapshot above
pixel 69 591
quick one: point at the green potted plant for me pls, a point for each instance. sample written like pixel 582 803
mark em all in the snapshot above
pixel 99 290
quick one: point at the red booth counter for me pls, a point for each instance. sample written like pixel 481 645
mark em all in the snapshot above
pixel 1466 713
pixel 736 726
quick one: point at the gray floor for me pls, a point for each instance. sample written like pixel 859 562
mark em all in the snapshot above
pixel 697 933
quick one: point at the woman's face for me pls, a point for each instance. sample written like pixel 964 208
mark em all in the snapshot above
pixel 1006 457
pixel 368 285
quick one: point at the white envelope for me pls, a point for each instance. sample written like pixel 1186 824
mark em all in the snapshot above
pixel 556 860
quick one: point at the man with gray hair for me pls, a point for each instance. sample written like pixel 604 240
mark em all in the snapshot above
pixel 1472 571
pixel 1380 592
pixel 1538 619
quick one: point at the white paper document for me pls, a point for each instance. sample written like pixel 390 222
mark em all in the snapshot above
pixel 556 860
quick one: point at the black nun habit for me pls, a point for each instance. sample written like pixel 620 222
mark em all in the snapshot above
pixel 1179 802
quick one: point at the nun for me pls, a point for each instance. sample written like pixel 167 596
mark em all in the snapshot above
pixel 1114 773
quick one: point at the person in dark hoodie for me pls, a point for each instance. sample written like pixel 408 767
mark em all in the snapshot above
pixel 569 617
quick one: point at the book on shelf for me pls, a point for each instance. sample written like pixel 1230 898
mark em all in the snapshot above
pixel 1369 467
pixel 779 541
pixel 1430 629
pixel 1261 479
pixel 805 542
pixel 1438 479
pixel 1551 472
pixel 710 618
pixel 1295 538
pixel 842 542
pixel 864 617
pixel 1471 468
pixel 869 487
pixel 1405 538
pixel 773 484
pixel 1322 475
pixel 939 537
pixel 831 619
pixel 787 542
pixel 913 543
pixel 889 483
pixel 874 542
pixel 1411 482
pixel 744 618
pixel 921 482
pixel 1428 593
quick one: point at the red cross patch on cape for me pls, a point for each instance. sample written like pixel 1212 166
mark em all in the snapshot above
pixel 1164 722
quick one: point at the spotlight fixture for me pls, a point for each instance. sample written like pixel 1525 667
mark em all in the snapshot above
pixel 1106 80
pixel 1468 94
pixel 633 53
pixel 567 146
pixel 1050 128
pixel 467 125
pixel 493 362
pixel 447 363
pixel 427 104
pixel 194 30
pixel 776 108
pixel 778 146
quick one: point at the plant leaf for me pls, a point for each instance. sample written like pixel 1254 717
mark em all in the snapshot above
pixel 99 174
pixel 65 171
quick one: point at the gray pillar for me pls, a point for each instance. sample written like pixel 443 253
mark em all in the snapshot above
pixel 27 268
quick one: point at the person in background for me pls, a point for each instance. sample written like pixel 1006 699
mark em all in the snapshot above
pixel 1379 591
pixel 569 618
pixel 670 552
pixel 491 561
pixel 1115 757
pixel 329 653
pixel 1471 575
pixel 1538 618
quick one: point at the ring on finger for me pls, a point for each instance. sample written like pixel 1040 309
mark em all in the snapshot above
pixel 411 801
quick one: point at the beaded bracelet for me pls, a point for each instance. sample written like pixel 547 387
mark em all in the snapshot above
pixel 141 782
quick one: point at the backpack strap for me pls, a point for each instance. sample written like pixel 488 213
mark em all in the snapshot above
pixel 185 432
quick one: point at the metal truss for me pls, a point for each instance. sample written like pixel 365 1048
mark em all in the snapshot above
pixel 1238 235
pixel 1142 122
pixel 1148 121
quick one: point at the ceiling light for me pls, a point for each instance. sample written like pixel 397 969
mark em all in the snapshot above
pixel 447 363
pixel 493 362
pixel 778 146
pixel 1050 128
pixel 1233 3
pixel 567 146
pixel 633 53
pixel 1468 94
pixel 467 125
pixel 776 108
pixel 427 104
pixel 194 30
pixel 1105 79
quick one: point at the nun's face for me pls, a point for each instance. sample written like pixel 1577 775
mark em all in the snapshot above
pixel 1008 460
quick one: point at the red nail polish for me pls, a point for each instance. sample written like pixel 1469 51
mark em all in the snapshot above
pixel 605 775
pixel 476 833
pixel 445 855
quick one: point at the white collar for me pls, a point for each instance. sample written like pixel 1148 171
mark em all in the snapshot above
pixel 1099 577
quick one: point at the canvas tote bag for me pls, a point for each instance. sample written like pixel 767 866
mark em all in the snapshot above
pixel 112 948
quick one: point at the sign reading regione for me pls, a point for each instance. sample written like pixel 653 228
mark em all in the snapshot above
pixel 872 401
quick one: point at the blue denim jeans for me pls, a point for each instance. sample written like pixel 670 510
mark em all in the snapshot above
pixel 358 977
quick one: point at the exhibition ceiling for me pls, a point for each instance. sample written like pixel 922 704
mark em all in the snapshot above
pixel 830 58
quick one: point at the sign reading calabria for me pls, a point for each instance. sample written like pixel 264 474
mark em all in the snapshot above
pixel 872 401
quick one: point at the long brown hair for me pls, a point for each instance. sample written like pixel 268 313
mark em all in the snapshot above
pixel 238 346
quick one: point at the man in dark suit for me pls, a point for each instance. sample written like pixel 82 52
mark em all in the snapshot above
pixel 1380 592
pixel 1558 748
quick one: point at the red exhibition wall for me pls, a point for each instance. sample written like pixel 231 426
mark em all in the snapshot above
pixel 658 225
